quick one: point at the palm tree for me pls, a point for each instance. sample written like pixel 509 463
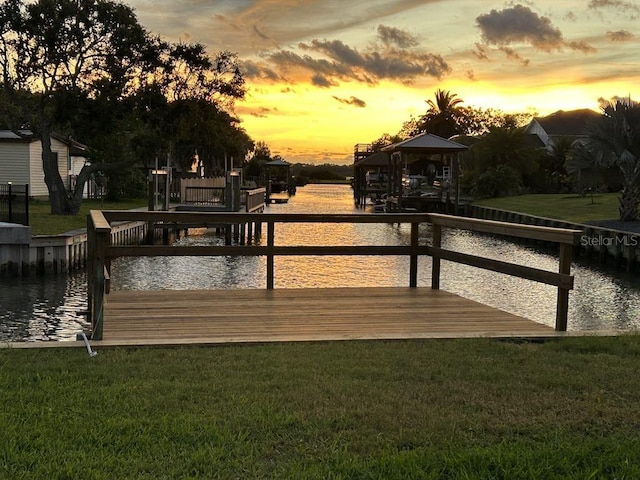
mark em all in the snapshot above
pixel 616 137
pixel 440 118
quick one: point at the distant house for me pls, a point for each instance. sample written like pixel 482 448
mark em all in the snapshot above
pixel 572 123
pixel 21 160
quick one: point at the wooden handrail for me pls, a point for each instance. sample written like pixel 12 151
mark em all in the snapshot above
pixel 533 232
pixel 101 252
pixel 98 281
pixel 254 199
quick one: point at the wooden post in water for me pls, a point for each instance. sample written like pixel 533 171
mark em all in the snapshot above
pixel 270 262
pixel 258 229
pixel 413 261
pixel 562 311
pixel 435 260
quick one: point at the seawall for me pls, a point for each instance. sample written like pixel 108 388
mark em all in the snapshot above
pixel 617 248
pixel 22 254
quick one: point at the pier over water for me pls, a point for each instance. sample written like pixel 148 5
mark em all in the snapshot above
pixel 101 253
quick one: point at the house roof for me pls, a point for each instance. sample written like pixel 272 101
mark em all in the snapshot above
pixel 426 143
pixel 9 135
pixel 75 148
pixel 532 140
pixel 569 123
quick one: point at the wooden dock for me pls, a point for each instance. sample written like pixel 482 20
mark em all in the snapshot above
pixel 267 315
pixel 179 317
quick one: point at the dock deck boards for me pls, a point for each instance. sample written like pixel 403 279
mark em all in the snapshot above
pixel 259 315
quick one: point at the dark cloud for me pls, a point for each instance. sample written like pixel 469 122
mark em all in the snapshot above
pixel 336 50
pixel 287 59
pixel 481 52
pixel 620 36
pixel 391 56
pixel 511 53
pixel 356 102
pixel 627 9
pixel 262 112
pixel 320 80
pixel 397 37
pixel 389 63
pixel 254 70
pixel 581 46
pixel 519 24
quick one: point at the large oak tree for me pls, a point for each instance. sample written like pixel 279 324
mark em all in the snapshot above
pixel 66 63
pixel 53 49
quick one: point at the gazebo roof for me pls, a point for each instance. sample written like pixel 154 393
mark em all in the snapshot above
pixel 277 163
pixel 425 143
pixel 378 159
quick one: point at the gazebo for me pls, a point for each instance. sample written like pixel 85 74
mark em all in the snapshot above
pixel 362 188
pixel 440 155
pixel 278 182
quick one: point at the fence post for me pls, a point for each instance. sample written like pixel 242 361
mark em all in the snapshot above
pixel 562 308
pixel 10 202
pixel 436 241
pixel 26 203
pixel 270 259
pixel 413 260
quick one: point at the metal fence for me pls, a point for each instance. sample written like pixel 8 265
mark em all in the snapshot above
pixel 14 203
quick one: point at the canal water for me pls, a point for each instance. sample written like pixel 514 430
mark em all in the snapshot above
pixel 52 307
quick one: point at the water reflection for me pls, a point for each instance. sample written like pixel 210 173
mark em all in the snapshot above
pixel 42 308
pixel 51 307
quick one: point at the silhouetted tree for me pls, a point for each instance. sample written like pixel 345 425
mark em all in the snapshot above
pixel 89 66
pixel 441 116
pixel 50 50
pixel 615 138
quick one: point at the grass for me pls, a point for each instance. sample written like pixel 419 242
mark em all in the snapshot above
pixel 572 208
pixel 460 409
pixel 43 223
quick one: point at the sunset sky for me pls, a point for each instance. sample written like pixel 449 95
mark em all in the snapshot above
pixel 323 75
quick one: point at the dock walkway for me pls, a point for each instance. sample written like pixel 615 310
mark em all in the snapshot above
pixel 179 317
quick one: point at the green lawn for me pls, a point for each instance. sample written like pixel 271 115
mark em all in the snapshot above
pixel 572 208
pixel 43 223
pixel 458 409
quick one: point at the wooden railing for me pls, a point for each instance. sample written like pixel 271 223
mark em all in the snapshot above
pixel 101 252
pixel 254 199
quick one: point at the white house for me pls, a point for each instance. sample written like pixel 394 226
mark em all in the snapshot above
pixel 571 123
pixel 21 160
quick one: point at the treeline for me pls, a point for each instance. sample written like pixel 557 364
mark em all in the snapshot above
pixel 325 173
pixel 89 71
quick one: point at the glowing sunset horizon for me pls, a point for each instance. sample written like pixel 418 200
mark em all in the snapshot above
pixel 323 76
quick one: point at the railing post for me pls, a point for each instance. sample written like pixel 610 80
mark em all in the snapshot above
pixel 562 308
pixel 10 203
pixel 98 239
pixel 270 259
pixel 26 204
pixel 436 241
pixel 413 260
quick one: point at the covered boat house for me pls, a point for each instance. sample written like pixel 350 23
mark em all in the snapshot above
pixel 420 173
